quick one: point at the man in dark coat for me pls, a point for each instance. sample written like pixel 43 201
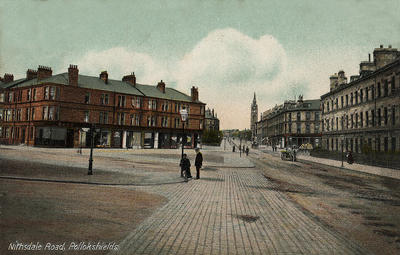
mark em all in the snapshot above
pixel 198 162
pixel 185 166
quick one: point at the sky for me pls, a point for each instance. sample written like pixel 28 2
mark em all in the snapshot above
pixel 228 49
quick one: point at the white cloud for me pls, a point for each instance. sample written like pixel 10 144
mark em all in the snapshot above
pixel 228 67
pixel 120 61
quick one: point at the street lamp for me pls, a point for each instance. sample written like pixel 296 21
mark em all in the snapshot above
pixel 342 138
pixel 184 116
pixel 92 131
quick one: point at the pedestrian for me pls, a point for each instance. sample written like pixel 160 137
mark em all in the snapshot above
pixel 247 151
pixel 198 162
pixel 185 166
pixel 233 148
pixel 350 159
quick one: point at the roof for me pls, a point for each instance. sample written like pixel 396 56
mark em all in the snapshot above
pixel 362 78
pixel 118 86
pixel 290 106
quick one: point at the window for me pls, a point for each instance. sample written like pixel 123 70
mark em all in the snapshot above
pixel 361 119
pixel 45 113
pixel 373 92
pixel 1 97
pixel 327 106
pixel 385 88
pixel 341 101
pixel 87 98
pixel 135 120
pixel 46 93
pixel 308 115
pixel 393 115
pixel 366 119
pixel 164 121
pixel 347 100
pixel 337 123
pixel 393 87
pixel 103 118
pixel 379 89
pixel 361 96
pixel 378 144
pixel 337 103
pixel 152 104
pixel 136 102
pixel 27 113
pixel 385 115
pixel 86 116
pixel 341 122
pixel 28 95
pixel 121 101
pixel 290 127
pixel 393 144
pixel 298 116
pixel 373 117
pixel 356 96
pixel 298 128
pixel 34 95
pixel 10 96
pixel 1 115
pixel 33 113
pixel 316 127
pixel 104 99
pixel 53 113
pixel 386 144
pixel 351 98
pixel 52 93
pixel 379 117
pixel 351 120
pixel 317 116
pixel 308 130
pixel 337 144
pixel 177 122
pixel 366 94
pixel 356 120
pixel 121 118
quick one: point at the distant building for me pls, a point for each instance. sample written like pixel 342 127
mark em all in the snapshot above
pixel 254 118
pixel 211 120
pixel 292 123
pixel 364 114
pixel 43 109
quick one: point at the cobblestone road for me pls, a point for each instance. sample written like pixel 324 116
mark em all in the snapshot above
pixel 231 211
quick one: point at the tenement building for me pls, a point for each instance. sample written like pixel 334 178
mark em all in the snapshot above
pixel 43 109
pixel 211 120
pixel 363 114
pixel 292 123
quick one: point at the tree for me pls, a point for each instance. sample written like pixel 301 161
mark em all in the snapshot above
pixel 212 137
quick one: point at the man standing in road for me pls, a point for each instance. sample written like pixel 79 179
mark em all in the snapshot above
pixel 198 162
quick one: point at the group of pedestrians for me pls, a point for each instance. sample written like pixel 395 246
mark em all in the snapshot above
pixel 242 149
pixel 185 164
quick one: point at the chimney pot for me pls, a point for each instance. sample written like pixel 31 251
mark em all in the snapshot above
pixel 195 93
pixel 31 74
pixel 381 46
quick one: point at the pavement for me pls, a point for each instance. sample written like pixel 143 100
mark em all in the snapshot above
pixel 232 211
pixel 380 171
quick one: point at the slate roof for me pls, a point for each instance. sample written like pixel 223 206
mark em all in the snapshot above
pixel 118 86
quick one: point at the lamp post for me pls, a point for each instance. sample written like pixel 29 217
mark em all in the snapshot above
pixel 342 138
pixel 184 116
pixel 92 132
pixel 240 148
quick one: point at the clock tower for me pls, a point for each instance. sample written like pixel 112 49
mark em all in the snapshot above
pixel 254 118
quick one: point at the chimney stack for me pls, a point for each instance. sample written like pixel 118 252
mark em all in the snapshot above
pixel 333 81
pixel 104 76
pixel 44 72
pixel 8 78
pixel 130 79
pixel 73 73
pixel 161 86
pixel 342 79
pixel 31 74
pixel 195 94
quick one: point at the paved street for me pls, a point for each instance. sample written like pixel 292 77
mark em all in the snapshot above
pixel 232 211
pixel 243 205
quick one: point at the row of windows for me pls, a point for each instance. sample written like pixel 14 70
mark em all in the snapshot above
pixel 16 132
pixel 48 113
pixel 135 119
pixel 50 93
pixel 307 130
pixel 356 120
pixel 358 144
pixel 308 116
pixel 366 94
